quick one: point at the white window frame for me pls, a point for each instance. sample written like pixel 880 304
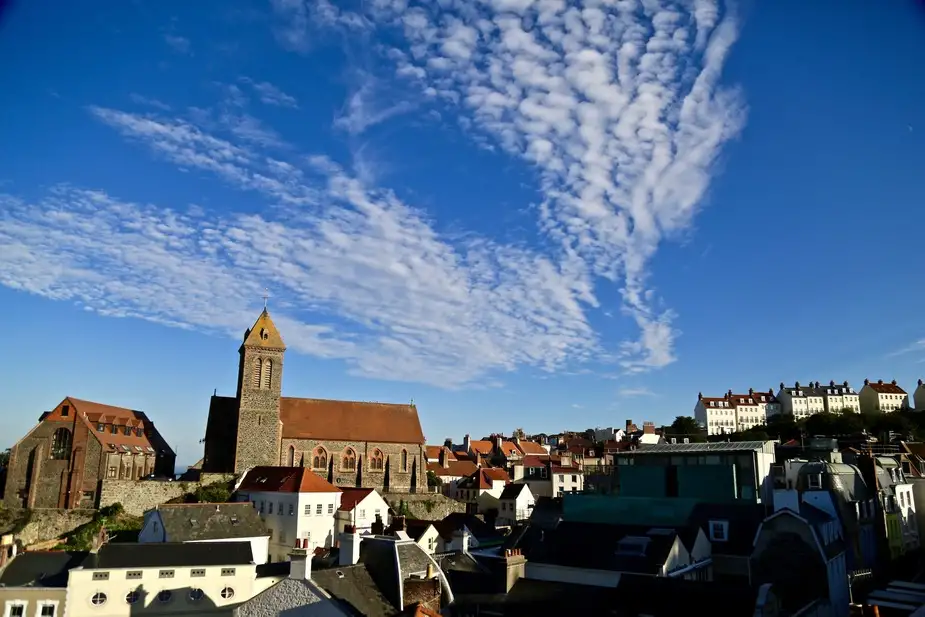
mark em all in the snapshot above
pixel 725 528
pixel 43 603
pixel 8 607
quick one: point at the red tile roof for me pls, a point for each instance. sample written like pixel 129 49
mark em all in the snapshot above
pixel 93 414
pixel 883 387
pixel 531 447
pixel 533 461
pixel 455 469
pixel 319 419
pixel 432 452
pixel 351 496
pixel 481 446
pixel 285 480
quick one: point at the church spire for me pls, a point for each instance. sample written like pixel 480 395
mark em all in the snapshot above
pixel 264 333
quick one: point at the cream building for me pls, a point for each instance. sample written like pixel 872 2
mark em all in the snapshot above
pixel 359 508
pixel 767 402
pixel 838 397
pixel 294 503
pixel 120 580
pixel 882 396
pixel 716 414
pixel 800 401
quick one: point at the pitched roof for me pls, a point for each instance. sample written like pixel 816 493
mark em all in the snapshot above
pixel 455 469
pixel 285 480
pixel 512 491
pixel 481 446
pixel 289 596
pixel 40 569
pixel 264 333
pixel 210 521
pixel 883 387
pixel 170 554
pixel 353 588
pixel 484 477
pixel 351 496
pixel 533 461
pixel 432 451
pixel 92 414
pixel 531 447
pixel 320 419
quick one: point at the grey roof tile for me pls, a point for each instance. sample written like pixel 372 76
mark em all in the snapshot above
pixel 207 521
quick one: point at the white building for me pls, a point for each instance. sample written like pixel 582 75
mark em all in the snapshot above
pixel 838 397
pixel 294 503
pixel 566 478
pixel 608 434
pixel 881 396
pixel 490 480
pixel 800 401
pixel 767 402
pixel 716 414
pixel 359 508
pixel 515 504
pixel 749 412
pixel 207 522
pixel 163 578
pixel 920 396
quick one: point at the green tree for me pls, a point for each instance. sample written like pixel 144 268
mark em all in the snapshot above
pixel 782 427
pixel 433 479
pixel 686 426
pixel 4 458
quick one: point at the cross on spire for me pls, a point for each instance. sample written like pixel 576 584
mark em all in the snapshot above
pixel 266 296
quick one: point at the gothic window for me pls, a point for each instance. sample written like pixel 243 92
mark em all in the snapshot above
pixel 404 460
pixel 320 459
pixel 267 375
pixel 349 460
pixel 376 460
pixel 292 456
pixel 61 444
pixel 255 378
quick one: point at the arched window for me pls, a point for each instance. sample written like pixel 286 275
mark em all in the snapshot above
pixel 404 460
pixel 267 376
pixel 376 460
pixel 292 456
pixel 349 460
pixel 61 444
pixel 255 378
pixel 320 459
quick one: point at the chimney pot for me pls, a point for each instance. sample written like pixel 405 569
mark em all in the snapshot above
pixel 880 382
pixel 893 382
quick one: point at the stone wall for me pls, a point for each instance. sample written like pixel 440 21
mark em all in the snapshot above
pixel 425 506
pixel 390 478
pixel 49 524
pixel 138 496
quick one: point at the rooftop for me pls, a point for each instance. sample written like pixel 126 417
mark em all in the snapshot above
pixel 208 521
pixel 40 569
pixel 169 554
pixel 720 446
pixel 285 480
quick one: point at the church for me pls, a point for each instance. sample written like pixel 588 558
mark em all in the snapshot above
pixel 349 443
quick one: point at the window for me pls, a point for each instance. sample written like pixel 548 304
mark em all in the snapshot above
pixel 349 460
pixel 227 572
pixel 101 576
pixel 404 460
pixel 132 597
pixel 61 445
pixel 267 376
pixel 330 508
pixel 47 609
pixel 165 574
pixel 227 593
pixel 260 508
pixel 65 410
pixel 574 478
pixel 127 430
pixel 561 478
pixel 320 459
pixel 197 572
pixel 279 511
pixel 291 509
pixel 16 609
pixel 98 599
pixel 318 508
pixel 308 509
pixel 255 378
pixel 292 456
pixel 814 480
pixel 719 531
pixel 164 596
pixel 362 513
pixel 100 427
pixel 112 472
pixel 376 460
pixel 195 595
pixel 113 429
pixel 270 507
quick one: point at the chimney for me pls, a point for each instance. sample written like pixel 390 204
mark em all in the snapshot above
pixel 467 443
pixel 893 382
pixel 751 391
pixel 514 567
pixel 444 458
pixel 430 571
pixel 879 382
pixel 648 428
pixel 398 523
pixel 700 396
pixel 781 385
pixel 378 527
pixel 629 423
pixel 349 554
pixel 498 440
pixel 832 383
pixel 866 382
pixel 846 383
pixel 448 443
pixel 461 539
pixel 516 440
pixel 300 563
pixel 6 543
pixel 797 385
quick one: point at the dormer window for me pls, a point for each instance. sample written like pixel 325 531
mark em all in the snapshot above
pixel 719 531
pixel 712 403
pixel 762 398
pixel 814 480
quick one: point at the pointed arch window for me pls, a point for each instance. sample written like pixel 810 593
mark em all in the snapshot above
pixel 404 460
pixel 61 444
pixel 376 461
pixel 258 369
pixel 292 456
pixel 349 460
pixel 320 459
pixel 267 375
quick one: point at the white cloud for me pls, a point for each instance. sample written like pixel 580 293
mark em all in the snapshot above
pixel 271 95
pixel 619 107
pixel 364 107
pixel 627 392
pixel 297 20
pixel 359 275
pixel 179 44
pixel 143 100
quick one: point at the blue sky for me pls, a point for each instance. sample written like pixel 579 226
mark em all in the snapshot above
pixel 517 213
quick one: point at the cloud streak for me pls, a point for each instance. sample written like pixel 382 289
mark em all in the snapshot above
pixel 618 106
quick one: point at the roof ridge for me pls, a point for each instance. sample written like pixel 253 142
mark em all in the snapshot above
pixel 335 400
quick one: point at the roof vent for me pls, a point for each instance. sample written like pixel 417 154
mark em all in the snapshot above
pixel 339 574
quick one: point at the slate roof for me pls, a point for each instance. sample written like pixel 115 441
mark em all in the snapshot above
pixel 207 521
pixel 416 528
pixel 683 448
pixel 512 491
pixel 476 526
pixel 743 518
pixel 285 480
pixel 284 598
pixel 320 419
pixel 170 555
pixel 41 569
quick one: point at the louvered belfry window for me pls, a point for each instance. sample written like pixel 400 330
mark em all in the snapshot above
pixel 267 376
pixel 255 379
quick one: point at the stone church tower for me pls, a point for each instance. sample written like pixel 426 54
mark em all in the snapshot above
pixel 260 379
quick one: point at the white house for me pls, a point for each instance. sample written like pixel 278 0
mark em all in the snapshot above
pixel 716 414
pixel 294 503
pixel 749 412
pixel 838 397
pixel 566 479
pixel 450 470
pixel 359 508
pixel 881 396
pixel 491 480
pixel 207 522
pixel 516 504
pixel 800 401
pixel 163 578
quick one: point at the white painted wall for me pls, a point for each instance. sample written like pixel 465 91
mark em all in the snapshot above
pixel 364 513
pixel 571 481
pixel 304 515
